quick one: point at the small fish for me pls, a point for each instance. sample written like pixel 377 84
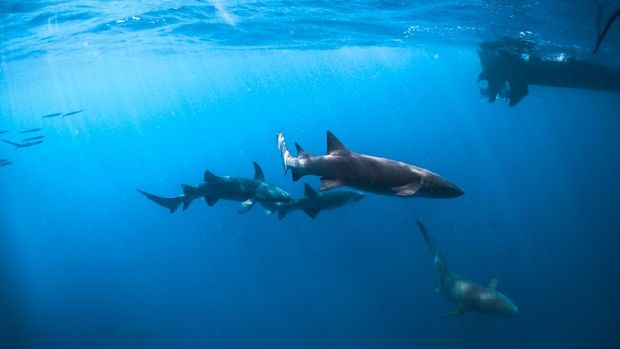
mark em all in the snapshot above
pixel 22 145
pixel 3 132
pixel 5 163
pixel 494 226
pixel 31 130
pixel 73 112
pixel 33 139
pixel 53 115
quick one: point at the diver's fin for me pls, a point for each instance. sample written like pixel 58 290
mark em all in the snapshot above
pixel 334 145
pixel 246 206
pixel 327 184
pixel 282 213
pixel 170 203
pixel 209 176
pixel 301 153
pixel 258 172
pixel 211 201
pixel 408 189
pixel 456 312
pixel 493 284
pixel 309 192
pixel 518 90
pixel 312 212
pixel 297 174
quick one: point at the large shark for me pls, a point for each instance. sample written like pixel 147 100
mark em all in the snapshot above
pixel 248 191
pixel 378 175
pixel 313 202
pixel 467 294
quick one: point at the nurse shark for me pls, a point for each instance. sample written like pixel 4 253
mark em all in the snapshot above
pixel 341 166
pixel 314 202
pixel 467 294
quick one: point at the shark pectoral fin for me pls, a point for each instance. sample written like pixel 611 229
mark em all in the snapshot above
pixel 456 312
pixel 327 184
pixel 493 284
pixel 312 212
pixel 258 172
pixel 282 214
pixel 408 189
pixel 211 201
pixel 246 206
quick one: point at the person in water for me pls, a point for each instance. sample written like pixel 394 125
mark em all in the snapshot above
pixel 602 33
pixel 510 66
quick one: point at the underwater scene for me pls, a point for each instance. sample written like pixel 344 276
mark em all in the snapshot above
pixel 309 174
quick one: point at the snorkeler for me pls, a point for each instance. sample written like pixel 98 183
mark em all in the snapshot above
pixel 601 34
pixel 510 66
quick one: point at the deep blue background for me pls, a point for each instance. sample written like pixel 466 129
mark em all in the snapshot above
pixel 90 263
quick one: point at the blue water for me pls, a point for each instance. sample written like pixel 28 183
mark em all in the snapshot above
pixel 170 90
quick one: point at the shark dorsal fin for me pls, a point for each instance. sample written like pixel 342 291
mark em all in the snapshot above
pixel 258 172
pixel 334 145
pixel 493 284
pixel 309 192
pixel 301 153
pixel 209 176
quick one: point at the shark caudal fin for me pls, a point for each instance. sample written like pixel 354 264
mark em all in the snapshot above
pixel 189 193
pixel 170 203
pixel 429 240
pixel 291 162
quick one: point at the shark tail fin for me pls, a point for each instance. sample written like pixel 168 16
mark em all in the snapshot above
pixel 170 203
pixel 429 241
pixel 16 145
pixel 189 193
pixel 290 162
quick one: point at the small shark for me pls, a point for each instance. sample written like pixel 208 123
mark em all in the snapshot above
pixel 53 115
pixel 342 166
pixel 23 145
pixel 313 202
pixel 33 139
pixel 3 132
pixel 467 294
pixel 5 162
pixel 214 188
pixel 171 203
pixel 73 112
pixel 31 130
